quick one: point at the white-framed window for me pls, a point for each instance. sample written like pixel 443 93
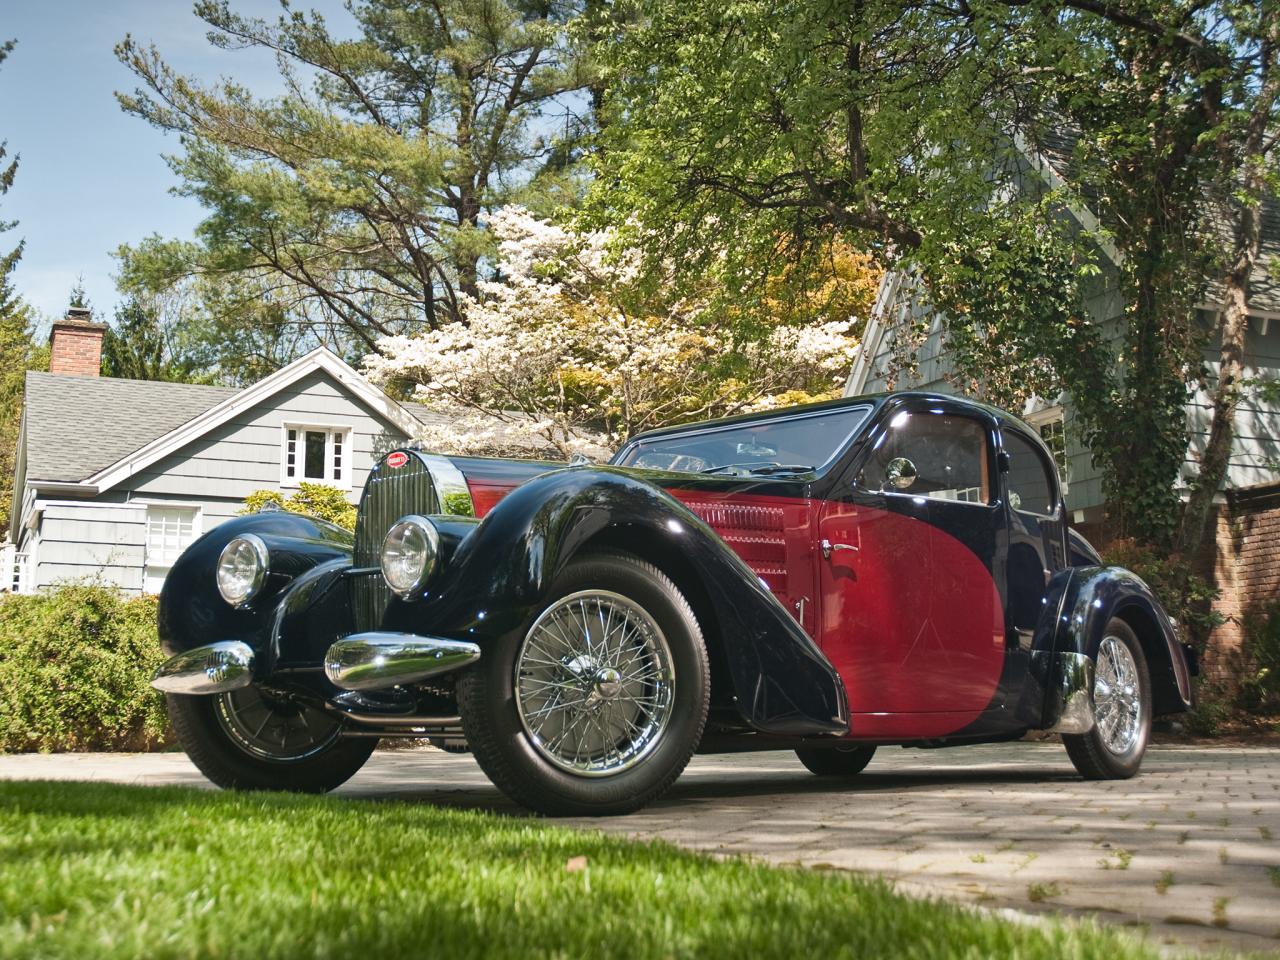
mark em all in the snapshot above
pixel 170 530
pixel 1051 426
pixel 315 454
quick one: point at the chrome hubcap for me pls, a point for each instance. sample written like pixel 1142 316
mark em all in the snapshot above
pixel 1117 697
pixel 594 684
pixel 274 729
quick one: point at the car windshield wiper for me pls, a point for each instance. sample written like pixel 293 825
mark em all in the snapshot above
pixel 764 469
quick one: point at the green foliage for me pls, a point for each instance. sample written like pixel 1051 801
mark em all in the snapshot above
pixel 19 352
pixel 8 260
pixel 353 204
pixel 1260 688
pixel 314 499
pixel 110 871
pixel 75 664
pixel 920 131
pixel 138 346
pixel 1186 596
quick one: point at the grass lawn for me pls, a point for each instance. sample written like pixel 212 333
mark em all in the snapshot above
pixel 93 870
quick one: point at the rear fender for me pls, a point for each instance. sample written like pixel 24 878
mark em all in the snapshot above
pixel 1079 605
pixel 503 572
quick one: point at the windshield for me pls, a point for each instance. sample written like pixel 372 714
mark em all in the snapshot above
pixel 777 446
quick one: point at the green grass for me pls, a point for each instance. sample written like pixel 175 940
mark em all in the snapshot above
pixel 92 870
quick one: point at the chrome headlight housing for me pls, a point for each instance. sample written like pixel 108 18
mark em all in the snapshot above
pixel 410 552
pixel 242 569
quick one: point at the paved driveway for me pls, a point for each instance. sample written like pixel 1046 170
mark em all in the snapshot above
pixel 1189 850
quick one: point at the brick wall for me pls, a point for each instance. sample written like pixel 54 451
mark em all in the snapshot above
pixel 76 348
pixel 1246 568
pixel 1242 559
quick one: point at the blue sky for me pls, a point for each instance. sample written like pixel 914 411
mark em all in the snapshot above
pixel 91 177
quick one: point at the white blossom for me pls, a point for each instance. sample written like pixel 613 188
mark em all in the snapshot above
pixel 549 358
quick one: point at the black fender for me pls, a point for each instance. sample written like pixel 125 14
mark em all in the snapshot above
pixel 502 572
pixel 306 558
pixel 1079 602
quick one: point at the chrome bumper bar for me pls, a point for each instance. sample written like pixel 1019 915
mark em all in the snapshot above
pixel 371 661
pixel 212 668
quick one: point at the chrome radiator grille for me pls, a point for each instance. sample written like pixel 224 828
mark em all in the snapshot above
pixel 389 494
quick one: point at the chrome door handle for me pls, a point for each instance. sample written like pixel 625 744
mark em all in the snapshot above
pixel 828 548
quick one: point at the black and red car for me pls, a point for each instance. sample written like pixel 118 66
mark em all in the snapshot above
pixel 826 579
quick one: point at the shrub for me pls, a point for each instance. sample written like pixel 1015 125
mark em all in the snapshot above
pixel 74 670
pixel 314 499
pixel 1187 597
pixel 1260 687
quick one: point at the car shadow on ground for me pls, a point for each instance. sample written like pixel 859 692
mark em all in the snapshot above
pixel 699 786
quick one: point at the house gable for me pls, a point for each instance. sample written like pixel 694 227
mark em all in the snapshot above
pixel 320 360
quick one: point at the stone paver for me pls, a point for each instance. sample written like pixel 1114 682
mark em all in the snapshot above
pixel 1189 851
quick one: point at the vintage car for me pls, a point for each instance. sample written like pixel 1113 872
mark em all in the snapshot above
pixel 827 579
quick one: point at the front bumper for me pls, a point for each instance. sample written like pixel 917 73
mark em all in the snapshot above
pixel 377 660
pixel 212 668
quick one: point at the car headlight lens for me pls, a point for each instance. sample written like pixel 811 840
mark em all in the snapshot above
pixel 409 555
pixel 242 569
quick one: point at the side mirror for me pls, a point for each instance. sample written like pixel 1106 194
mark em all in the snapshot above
pixel 900 474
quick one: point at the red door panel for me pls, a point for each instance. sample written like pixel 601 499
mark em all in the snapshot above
pixel 911 619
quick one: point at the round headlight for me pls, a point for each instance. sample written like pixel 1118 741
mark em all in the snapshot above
pixel 242 569
pixel 409 555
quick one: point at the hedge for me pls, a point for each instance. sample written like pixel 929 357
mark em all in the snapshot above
pixel 74 667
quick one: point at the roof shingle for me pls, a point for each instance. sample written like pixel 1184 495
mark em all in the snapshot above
pixel 76 426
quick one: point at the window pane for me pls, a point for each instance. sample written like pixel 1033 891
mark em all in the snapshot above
pixel 170 530
pixel 337 456
pixel 313 458
pixel 1054 435
pixel 805 440
pixel 1030 488
pixel 949 455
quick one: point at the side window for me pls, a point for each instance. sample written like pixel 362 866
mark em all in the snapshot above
pixel 1030 487
pixel 931 455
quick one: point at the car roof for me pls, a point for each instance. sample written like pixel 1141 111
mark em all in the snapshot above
pixel 874 399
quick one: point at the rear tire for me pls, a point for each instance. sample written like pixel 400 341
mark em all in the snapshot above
pixel 845 760
pixel 217 732
pixel 1121 699
pixel 595 705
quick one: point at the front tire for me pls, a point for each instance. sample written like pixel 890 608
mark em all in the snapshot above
pixel 842 760
pixel 1121 700
pixel 595 706
pixel 251 739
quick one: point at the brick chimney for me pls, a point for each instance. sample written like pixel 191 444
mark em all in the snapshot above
pixel 76 344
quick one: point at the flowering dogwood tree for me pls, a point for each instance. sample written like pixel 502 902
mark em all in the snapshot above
pixel 572 350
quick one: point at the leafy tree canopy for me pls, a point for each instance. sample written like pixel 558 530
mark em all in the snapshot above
pixel 918 130
pixel 356 199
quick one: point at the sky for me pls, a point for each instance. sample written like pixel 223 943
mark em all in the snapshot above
pixel 91 177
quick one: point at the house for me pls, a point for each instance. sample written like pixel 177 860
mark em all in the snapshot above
pixel 114 478
pixel 1245 560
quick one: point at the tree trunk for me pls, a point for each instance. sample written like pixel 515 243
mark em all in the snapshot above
pixel 1233 325
pixel 1244 166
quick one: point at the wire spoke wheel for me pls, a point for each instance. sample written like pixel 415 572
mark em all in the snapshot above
pixel 1117 696
pixel 594 684
pixel 274 728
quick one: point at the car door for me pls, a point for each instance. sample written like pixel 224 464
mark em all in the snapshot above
pixel 910 613
pixel 1037 531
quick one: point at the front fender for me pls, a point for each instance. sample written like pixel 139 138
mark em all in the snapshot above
pixel 503 572
pixel 191 610
pixel 1086 600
